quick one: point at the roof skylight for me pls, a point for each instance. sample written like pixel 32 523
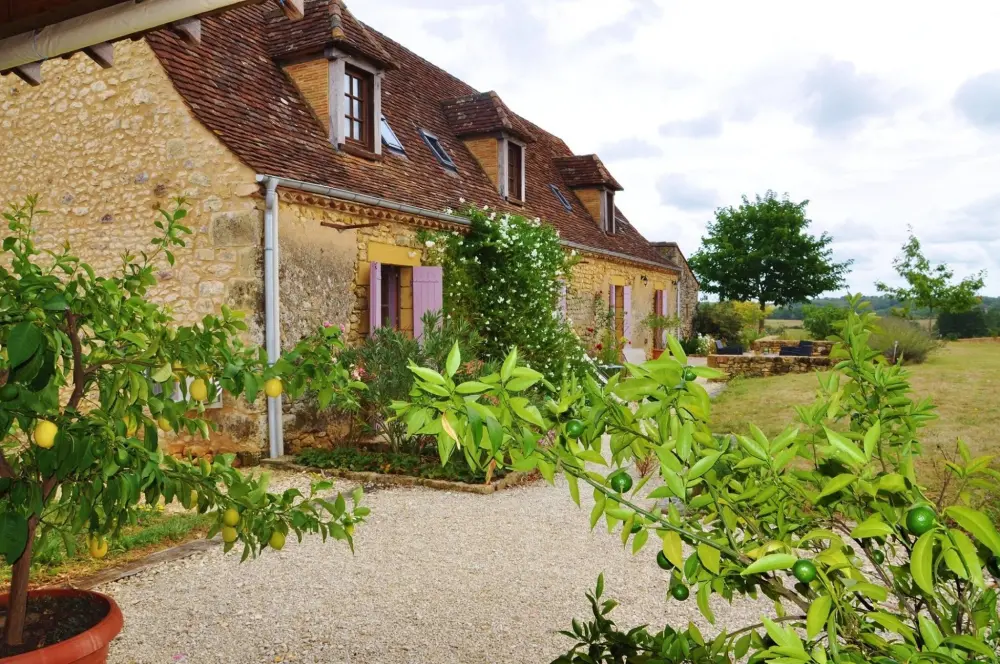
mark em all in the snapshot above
pixel 562 199
pixel 389 137
pixel 435 145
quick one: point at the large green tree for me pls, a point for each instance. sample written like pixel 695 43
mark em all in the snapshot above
pixel 760 252
pixel 930 286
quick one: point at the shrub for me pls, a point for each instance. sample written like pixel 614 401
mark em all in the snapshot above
pixel 719 320
pixel 822 321
pixel 828 519
pixel 697 345
pixel 965 325
pixel 902 340
pixel 89 368
pixel 505 278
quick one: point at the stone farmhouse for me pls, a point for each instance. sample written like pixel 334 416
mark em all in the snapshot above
pixel 312 152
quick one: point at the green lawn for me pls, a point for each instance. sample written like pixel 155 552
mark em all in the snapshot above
pixel 962 379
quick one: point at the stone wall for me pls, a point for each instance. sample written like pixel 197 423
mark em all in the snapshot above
pixel 688 284
pixel 587 294
pixel 104 148
pixel 756 366
pixel 774 346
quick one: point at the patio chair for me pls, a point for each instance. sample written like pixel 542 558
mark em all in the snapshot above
pixel 804 349
pixel 727 350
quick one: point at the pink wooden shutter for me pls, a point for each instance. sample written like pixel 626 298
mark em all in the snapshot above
pixel 611 297
pixel 428 295
pixel 627 306
pixel 661 310
pixel 375 298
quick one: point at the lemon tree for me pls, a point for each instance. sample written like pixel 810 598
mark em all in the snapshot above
pixel 828 520
pixel 88 366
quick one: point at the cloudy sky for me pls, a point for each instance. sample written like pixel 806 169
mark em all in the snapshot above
pixel 882 113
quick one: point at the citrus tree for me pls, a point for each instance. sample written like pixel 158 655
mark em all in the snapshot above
pixel 828 520
pixel 88 371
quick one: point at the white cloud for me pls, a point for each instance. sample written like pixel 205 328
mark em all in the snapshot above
pixel 882 114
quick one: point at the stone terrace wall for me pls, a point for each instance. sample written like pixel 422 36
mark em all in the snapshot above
pixel 774 346
pixel 757 366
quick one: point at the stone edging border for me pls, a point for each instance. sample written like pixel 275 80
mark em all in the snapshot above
pixel 139 565
pixel 382 479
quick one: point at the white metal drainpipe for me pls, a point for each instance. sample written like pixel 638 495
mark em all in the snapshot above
pixel 272 308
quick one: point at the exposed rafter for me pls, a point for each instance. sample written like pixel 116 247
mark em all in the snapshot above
pixel 294 9
pixel 30 73
pixel 103 54
pixel 189 30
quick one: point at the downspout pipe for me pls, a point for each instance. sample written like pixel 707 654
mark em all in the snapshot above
pixel 272 309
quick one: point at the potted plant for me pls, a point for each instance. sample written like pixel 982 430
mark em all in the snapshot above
pixel 658 324
pixel 87 376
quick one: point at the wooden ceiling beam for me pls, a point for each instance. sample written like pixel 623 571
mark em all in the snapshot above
pixel 294 9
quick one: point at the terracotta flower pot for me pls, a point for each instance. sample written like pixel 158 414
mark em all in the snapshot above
pixel 657 352
pixel 89 647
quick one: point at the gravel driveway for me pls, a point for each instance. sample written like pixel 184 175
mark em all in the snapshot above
pixel 437 577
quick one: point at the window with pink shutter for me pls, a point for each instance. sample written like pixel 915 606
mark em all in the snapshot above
pixel 428 295
pixel 374 298
pixel 627 314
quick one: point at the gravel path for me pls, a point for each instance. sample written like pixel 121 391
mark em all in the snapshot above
pixel 437 577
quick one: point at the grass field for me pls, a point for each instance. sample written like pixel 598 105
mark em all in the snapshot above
pixel 962 379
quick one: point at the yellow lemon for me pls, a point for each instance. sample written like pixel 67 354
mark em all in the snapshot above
pixel 277 540
pixel 273 387
pixel 228 534
pixel 206 467
pixel 194 499
pixel 45 434
pixel 231 517
pixel 199 390
pixel 163 423
pixel 98 547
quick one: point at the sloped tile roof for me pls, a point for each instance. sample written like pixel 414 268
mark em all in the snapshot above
pixel 326 23
pixel 585 171
pixel 234 87
pixel 483 113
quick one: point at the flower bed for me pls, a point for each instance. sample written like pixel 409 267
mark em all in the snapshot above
pixel 391 463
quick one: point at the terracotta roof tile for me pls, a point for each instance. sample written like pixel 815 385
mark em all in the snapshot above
pixel 326 23
pixel 483 113
pixel 236 89
pixel 585 171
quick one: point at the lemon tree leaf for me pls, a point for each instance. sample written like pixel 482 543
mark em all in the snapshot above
pixel 893 624
pixel 872 527
pixel 672 549
pixel 844 449
pixel 966 642
pixel 703 465
pixel 819 611
pixel 922 562
pixel 704 592
pixel 770 563
pixel 709 557
pixel 872 438
pixel 977 524
pixel 969 555
pixel 836 484
pixel 454 359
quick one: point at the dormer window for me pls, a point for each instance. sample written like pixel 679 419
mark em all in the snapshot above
pixel 515 171
pixel 608 222
pixel 359 108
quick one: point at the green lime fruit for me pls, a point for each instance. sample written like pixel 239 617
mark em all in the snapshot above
pixel 993 565
pixel 8 392
pixel 680 592
pixel 621 481
pixel 804 571
pixel 690 375
pixel 920 519
pixel 575 429
pixel 661 560
pixel 878 557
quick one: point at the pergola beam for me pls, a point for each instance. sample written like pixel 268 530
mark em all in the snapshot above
pixel 30 73
pixel 189 30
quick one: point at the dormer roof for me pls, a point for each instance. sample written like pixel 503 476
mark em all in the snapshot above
pixel 586 170
pixel 327 23
pixel 483 113
pixel 236 88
